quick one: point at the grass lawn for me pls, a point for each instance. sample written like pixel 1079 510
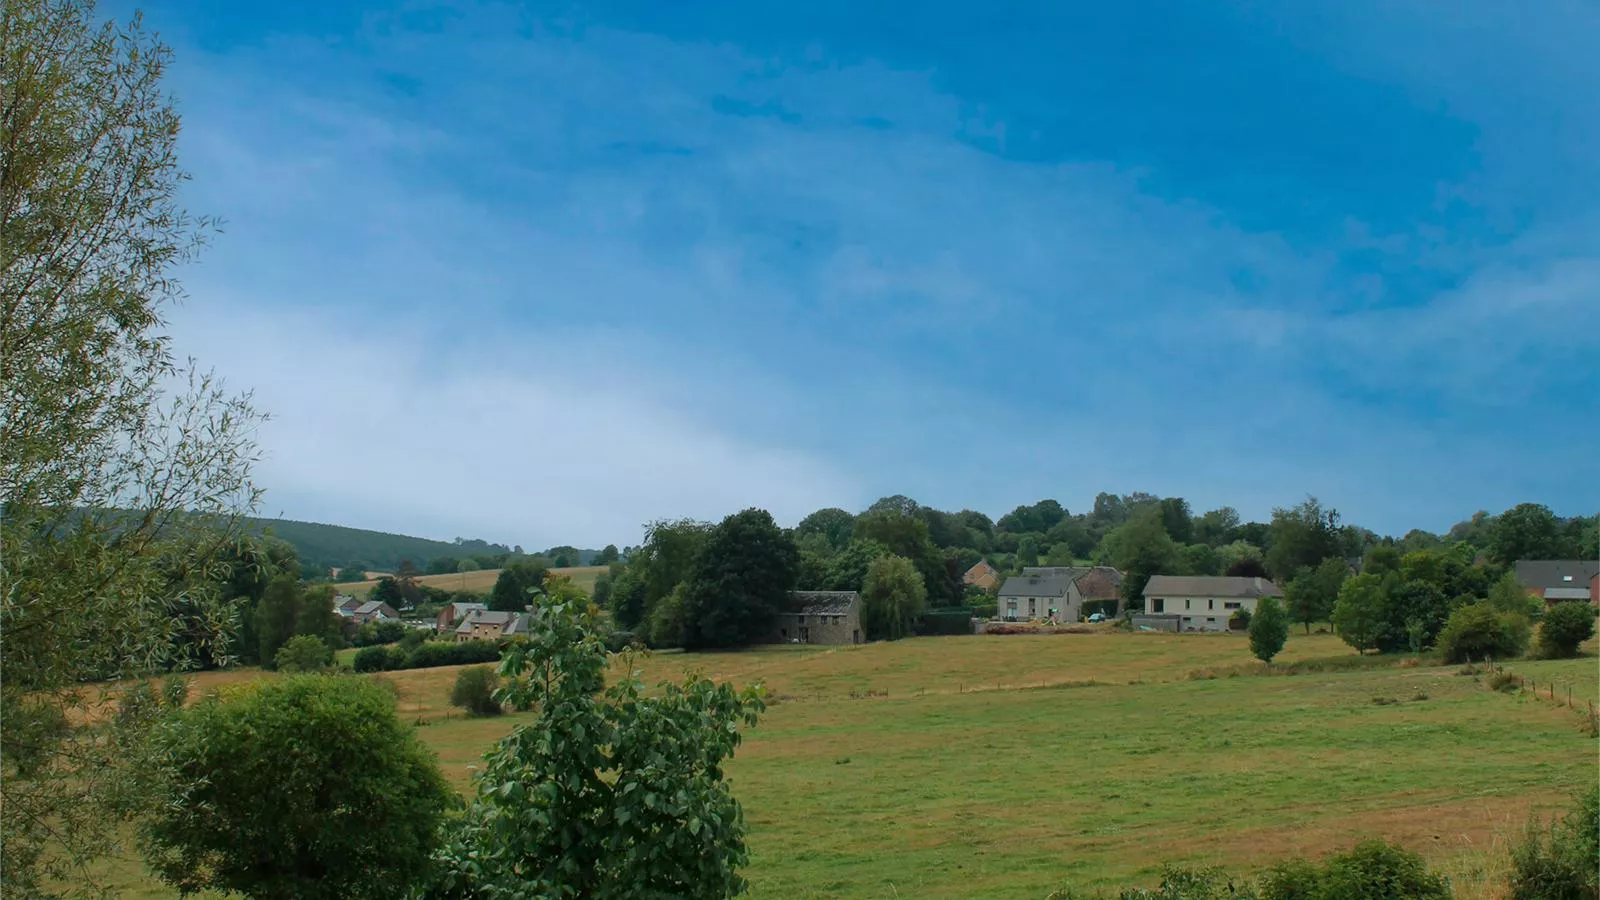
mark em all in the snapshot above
pixel 1008 766
pixel 479 582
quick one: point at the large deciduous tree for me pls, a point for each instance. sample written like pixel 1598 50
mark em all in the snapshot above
pixel 1141 548
pixel 1358 614
pixel 892 598
pixel 304 787
pixel 1525 531
pixel 1302 536
pixel 609 792
pixel 515 585
pixel 122 472
pixel 1311 594
pixel 833 525
pixel 741 580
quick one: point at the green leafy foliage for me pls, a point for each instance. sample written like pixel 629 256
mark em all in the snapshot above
pixel 304 653
pixel 515 586
pixel 1559 862
pixel 1358 614
pixel 124 475
pixel 608 793
pixel 304 787
pixel 1565 627
pixel 425 655
pixel 474 691
pixel 1311 594
pixel 892 599
pixel 1302 537
pixel 742 577
pixel 1269 628
pixel 1478 631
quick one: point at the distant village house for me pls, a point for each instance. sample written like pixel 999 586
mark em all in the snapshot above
pixel 982 575
pixel 819 617
pixel 1200 602
pixel 451 614
pixel 1056 593
pixel 374 611
pixel 1557 580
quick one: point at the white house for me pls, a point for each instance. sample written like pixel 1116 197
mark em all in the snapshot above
pixel 1202 602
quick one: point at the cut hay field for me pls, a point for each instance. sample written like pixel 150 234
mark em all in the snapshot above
pixel 1008 766
pixel 479 582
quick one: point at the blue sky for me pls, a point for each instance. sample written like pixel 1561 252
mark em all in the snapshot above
pixel 542 273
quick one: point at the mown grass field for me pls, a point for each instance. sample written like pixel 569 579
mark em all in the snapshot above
pixel 1008 766
pixel 479 582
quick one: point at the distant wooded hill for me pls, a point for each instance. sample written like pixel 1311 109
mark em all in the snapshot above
pixel 335 546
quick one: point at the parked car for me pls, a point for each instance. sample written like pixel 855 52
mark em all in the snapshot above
pixel 1098 617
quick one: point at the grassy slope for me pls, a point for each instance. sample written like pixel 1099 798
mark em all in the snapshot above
pixel 970 779
pixel 478 582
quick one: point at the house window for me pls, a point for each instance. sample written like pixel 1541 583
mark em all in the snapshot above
pixel 1230 606
pixel 1211 619
pixel 1011 605
pixel 1158 605
pixel 1211 604
pixel 1033 606
pixel 1186 602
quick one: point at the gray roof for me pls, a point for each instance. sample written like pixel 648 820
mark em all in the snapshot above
pixel 1055 584
pixel 1542 574
pixel 1210 586
pixel 484 617
pixel 519 625
pixel 1566 593
pixel 465 608
pixel 346 601
pixel 822 603
pixel 1075 572
pixel 371 606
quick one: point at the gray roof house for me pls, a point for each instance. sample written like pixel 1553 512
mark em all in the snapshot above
pixel 1555 580
pixel 1056 592
pixel 484 624
pixel 373 611
pixel 819 617
pixel 1200 602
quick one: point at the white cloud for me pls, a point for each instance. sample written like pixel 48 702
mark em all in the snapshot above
pixel 384 427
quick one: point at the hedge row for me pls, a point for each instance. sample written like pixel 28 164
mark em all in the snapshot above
pixel 426 655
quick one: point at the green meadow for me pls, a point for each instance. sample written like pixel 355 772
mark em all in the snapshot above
pixel 1008 766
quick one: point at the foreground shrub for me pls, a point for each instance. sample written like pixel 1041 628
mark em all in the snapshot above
pixel 1563 861
pixel 304 653
pixel 474 691
pixel 606 792
pixel 1564 628
pixel 1479 631
pixel 1373 870
pixel 305 787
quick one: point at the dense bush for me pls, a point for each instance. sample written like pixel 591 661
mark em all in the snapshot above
pixel 376 659
pixel 618 641
pixel 426 655
pixel 1565 627
pixel 377 633
pixel 957 620
pixel 304 653
pixel 986 610
pixel 474 691
pixel 1373 870
pixel 1560 863
pixel 1479 631
pixel 307 787
pixel 1240 620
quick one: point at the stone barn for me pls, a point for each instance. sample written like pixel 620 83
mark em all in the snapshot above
pixel 819 617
